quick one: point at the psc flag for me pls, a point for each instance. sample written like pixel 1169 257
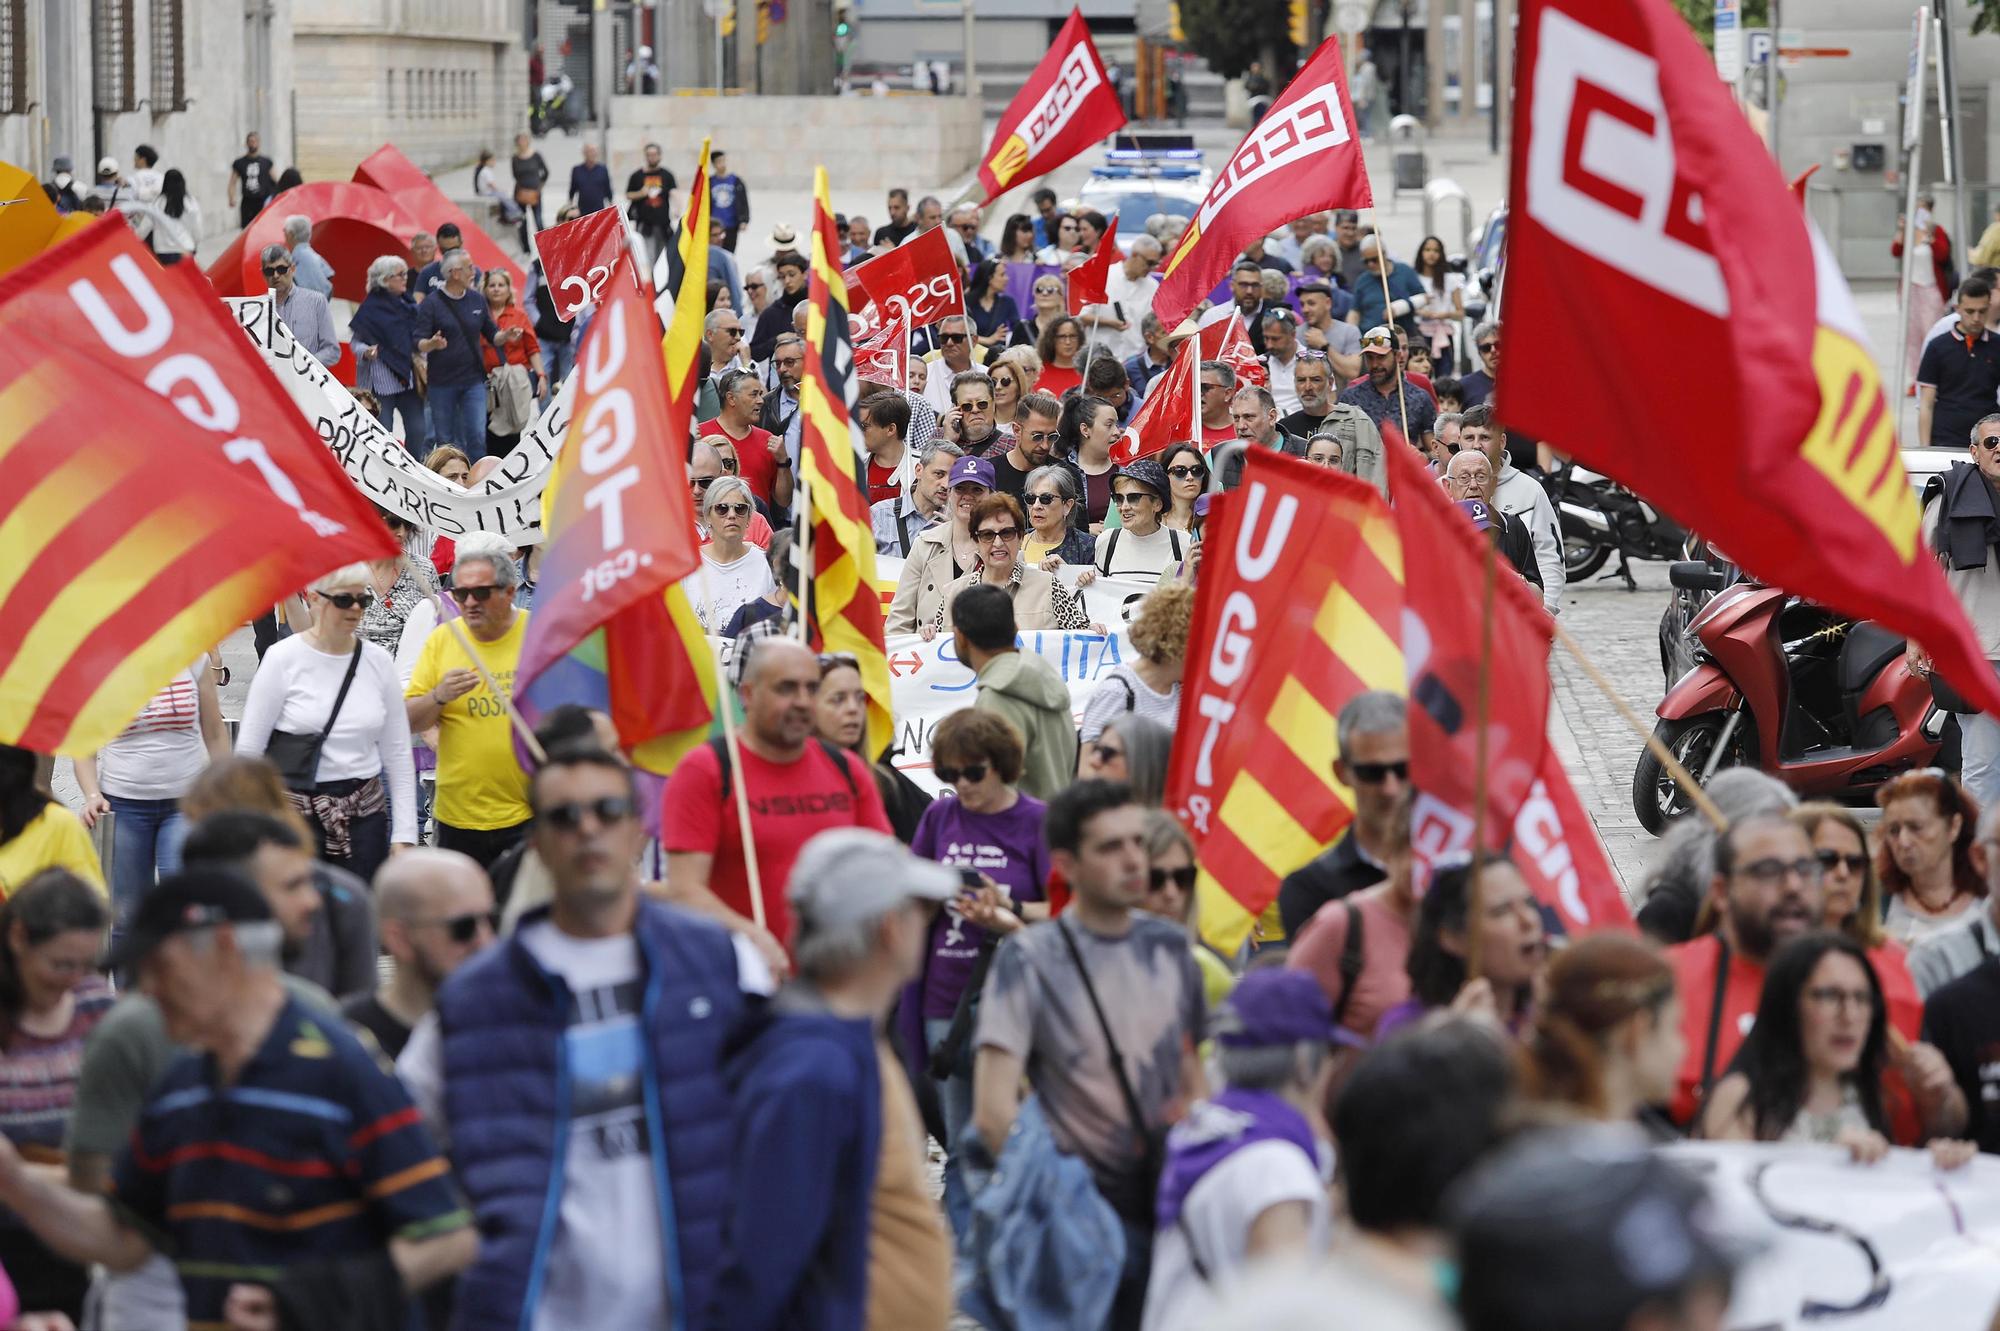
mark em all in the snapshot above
pixel 1066 105
pixel 918 282
pixel 1298 610
pixel 579 257
pixel 1640 193
pixel 157 487
pixel 612 627
pixel 1531 813
pixel 1089 282
pixel 844 610
pixel 1171 409
pixel 1302 157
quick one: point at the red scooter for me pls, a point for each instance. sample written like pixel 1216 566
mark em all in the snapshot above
pixel 1821 702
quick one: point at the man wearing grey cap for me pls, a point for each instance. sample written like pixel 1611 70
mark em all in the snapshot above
pixel 827 1130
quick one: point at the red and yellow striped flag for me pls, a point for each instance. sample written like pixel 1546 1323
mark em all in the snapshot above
pixel 681 304
pixel 157 487
pixel 1299 610
pixel 844 613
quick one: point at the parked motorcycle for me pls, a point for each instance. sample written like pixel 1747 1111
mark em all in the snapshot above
pixel 556 106
pixel 1600 518
pixel 1678 646
pixel 1824 703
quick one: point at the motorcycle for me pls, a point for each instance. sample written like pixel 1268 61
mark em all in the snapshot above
pixel 1600 518
pixel 1678 646
pixel 1822 702
pixel 554 109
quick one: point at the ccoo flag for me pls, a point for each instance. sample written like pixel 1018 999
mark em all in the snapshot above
pixel 1301 615
pixel 844 609
pixel 612 627
pixel 1303 156
pixel 157 487
pixel 1066 105
pixel 1640 193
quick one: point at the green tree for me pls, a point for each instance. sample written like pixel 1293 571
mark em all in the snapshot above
pixel 1700 15
pixel 1229 34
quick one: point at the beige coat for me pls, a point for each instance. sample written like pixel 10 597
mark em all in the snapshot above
pixel 927 573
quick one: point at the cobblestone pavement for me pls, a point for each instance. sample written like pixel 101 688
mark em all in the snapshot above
pixel 1619 629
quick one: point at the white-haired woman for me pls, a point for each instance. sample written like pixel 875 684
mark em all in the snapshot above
pixel 734 572
pixel 326 706
pixel 388 352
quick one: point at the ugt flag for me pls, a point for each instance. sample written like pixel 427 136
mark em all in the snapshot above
pixel 1066 105
pixel 1640 193
pixel 1303 156
pixel 158 489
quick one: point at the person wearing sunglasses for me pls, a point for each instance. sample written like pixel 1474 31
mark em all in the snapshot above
pixel 1012 371
pixel 480 807
pixel 1170 879
pixel 1040 601
pixel 1187 481
pixel 1138 546
pixel 1054 539
pixel 953 352
pixel 1477 387
pixel 434 911
pixel 970 423
pixel 303 311
pixel 1851 904
pixel 1131 749
pixel 734 572
pixel 1036 434
pixel 1049 305
pixel 1372 742
pixel 326 706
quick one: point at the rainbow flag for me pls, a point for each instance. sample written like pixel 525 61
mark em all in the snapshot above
pixel 843 612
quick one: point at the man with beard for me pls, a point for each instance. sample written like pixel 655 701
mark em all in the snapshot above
pixel 1378 395
pixel 1034 445
pixel 1323 327
pixel 1765 892
pixel 1246 287
pixel 781 404
pixel 437 913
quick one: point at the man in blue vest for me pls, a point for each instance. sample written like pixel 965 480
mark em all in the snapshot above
pixel 576 1069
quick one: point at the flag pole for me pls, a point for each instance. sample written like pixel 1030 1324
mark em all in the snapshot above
pixel 1680 774
pixel 1482 717
pixel 457 627
pixel 1382 271
pixel 803 553
pixel 725 706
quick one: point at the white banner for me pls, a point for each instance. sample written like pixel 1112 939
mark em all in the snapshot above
pixel 1883 1247
pixel 509 501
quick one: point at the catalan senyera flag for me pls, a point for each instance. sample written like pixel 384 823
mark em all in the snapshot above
pixel 612 626
pixel 1640 193
pixel 1299 609
pixel 1302 157
pixel 686 251
pixel 844 611
pixel 1066 105
pixel 157 487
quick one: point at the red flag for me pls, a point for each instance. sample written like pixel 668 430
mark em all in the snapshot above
pixel 1171 410
pixel 1640 193
pixel 579 257
pixel 884 357
pixel 160 487
pixel 1224 338
pixel 1303 156
pixel 1088 280
pixel 917 282
pixel 1066 105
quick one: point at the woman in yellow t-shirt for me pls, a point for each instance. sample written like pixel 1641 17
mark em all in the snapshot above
pixel 36 833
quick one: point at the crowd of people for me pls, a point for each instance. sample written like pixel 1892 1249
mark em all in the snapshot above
pixel 373 1026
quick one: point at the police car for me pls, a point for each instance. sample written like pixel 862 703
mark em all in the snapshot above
pixel 1144 174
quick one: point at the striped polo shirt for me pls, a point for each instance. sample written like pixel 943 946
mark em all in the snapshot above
pixel 313 1152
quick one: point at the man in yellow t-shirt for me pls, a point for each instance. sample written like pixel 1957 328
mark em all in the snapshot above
pixel 482 794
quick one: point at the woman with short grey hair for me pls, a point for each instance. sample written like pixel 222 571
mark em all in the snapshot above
pixel 733 572
pixel 1050 495
pixel 388 354
pixel 326 706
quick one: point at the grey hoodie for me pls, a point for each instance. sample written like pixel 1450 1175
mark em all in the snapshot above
pixel 1029 692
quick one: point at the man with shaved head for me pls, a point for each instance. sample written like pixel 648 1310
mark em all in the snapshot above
pixel 1468 478
pixel 434 912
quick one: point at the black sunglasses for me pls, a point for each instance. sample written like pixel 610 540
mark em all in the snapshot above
pixel 1042 499
pixel 479 594
pixel 608 810
pixel 1990 442
pixel 464 928
pixel 1833 859
pixel 951 337
pixel 1488 348
pixel 347 600
pixel 987 535
pixel 1374 774
pixel 973 772
pixel 276 269
pixel 1183 471
pixel 731 510
pixel 1183 878
pixel 703 482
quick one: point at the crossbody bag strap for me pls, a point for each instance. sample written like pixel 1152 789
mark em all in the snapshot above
pixel 353 664
pixel 1715 1016
pixel 1117 1057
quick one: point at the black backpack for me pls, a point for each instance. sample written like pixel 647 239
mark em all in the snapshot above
pixel 834 755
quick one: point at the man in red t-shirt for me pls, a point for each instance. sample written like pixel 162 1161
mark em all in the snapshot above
pixel 760 455
pixel 1766 892
pixel 796 785
pixel 885 430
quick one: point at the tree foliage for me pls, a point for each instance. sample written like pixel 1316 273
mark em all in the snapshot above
pixel 1700 15
pixel 1229 34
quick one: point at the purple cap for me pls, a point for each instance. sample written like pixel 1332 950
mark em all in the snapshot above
pixel 1201 503
pixel 1482 516
pixel 1271 1006
pixel 977 470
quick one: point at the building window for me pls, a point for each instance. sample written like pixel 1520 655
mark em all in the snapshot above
pixel 169 56
pixel 112 82
pixel 389 90
pixel 13 57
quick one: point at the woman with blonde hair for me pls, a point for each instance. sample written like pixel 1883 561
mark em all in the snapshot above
pixel 1013 373
pixel 1170 879
pixel 1851 897
pixel 1149 685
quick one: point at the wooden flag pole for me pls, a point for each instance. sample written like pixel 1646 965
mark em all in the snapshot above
pixel 802 551
pixel 457 627
pixel 1389 319
pixel 725 707
pixel 1482 714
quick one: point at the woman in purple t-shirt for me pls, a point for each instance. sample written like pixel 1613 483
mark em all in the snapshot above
pixel 987 826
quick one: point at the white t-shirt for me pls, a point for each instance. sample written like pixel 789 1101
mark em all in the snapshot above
pixel 1218 1212
pixel 294 691
pixel 160 752
pixel 1141 558
pixel 1110 701
pixel 717 590
pixel 603 1268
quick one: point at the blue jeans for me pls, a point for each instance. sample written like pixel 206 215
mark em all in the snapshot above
pixel 416 429
pixel 146 838
pixel 557 360
pixel 1979 757
pixel 458 416
pixel 955 1096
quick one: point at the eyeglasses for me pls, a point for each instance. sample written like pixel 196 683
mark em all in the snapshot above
pixel 1033 500
pixel 753 286
pixel 989 535
pixel 1488 348
pixel 347 600
pixel 1183 472
pixel 973 772
pixel 1048 291
pixel 464 928
pixel 730 510
pixel 733 332
pixel 1374 774
pixel 610 810
pixel 1827 996
pixel 273 270
pixel 1183 878
pixel 1040 436
pixel 1768 872
pixel 1990 442
pixel 1069 337
pixel 1105 753
pixel 1131 497
pixel 479 594
pixel 1213 388
pixel 703 482
pixel 977 404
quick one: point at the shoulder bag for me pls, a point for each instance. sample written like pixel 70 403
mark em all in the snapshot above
pixel 297 756
pixel 1138 1204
